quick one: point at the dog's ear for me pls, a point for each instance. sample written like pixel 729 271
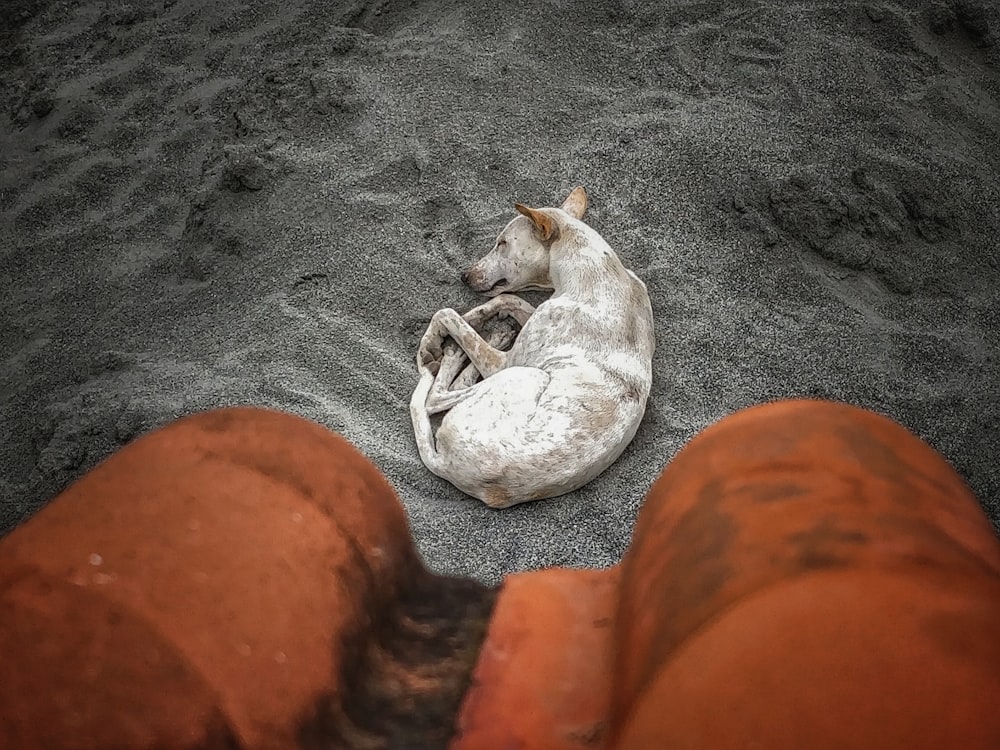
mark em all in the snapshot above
pixel 576 203
pixel 543 222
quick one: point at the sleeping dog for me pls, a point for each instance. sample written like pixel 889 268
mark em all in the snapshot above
pixel 558 407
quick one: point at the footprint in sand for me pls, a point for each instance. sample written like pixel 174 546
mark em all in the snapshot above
pixel 215 232
pixel 860 235
pixel 974 24
pixel 727 56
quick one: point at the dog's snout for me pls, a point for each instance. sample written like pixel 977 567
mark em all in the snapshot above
pixel 466 275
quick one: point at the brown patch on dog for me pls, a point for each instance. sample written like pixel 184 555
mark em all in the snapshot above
pixel 496 497
pixel 597 414
pixel 545 225
pixel 630 387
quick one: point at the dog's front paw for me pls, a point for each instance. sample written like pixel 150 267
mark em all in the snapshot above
pixel 476 317
pixel 426 361
pixel 430 352
pixel 432 349
pixel 428 365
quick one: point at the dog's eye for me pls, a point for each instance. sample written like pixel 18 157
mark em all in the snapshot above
pixel 501 242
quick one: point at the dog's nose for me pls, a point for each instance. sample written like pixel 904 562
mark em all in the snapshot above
pixel 465 276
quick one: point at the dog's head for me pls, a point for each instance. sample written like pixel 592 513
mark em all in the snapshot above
pixel 520 257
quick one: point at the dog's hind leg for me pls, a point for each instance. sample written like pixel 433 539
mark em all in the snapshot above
pixel 444 400
pixel 451 378
pixel 453 361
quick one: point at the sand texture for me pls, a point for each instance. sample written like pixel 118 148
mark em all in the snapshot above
pixel 206 204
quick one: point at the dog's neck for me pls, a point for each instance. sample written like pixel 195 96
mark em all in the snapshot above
pixel 582 265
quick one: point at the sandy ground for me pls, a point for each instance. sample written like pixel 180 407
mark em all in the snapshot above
pixel 264 202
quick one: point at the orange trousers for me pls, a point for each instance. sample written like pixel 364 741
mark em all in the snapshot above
pixel 803 575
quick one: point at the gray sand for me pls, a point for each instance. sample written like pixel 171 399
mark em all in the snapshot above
pixel 264 203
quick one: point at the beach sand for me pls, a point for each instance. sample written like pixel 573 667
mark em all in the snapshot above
pixel 207 204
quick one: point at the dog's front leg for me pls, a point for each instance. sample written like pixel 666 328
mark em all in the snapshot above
pixel 447 389
pixel 503 305
pixel 447 322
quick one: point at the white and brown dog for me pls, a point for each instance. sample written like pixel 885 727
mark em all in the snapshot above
pixel 564 401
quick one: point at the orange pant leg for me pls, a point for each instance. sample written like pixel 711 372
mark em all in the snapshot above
pixel 809 575
pixel 240 578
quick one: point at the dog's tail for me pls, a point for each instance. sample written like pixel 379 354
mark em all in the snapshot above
pixel 422 423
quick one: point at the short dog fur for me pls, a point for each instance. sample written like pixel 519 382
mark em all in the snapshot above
pixel 564 401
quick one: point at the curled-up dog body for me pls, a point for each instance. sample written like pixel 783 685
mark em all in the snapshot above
pixel 555 409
